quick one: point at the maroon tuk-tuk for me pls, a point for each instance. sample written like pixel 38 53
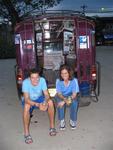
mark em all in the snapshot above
pixel 53 38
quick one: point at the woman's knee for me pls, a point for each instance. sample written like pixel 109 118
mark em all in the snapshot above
pixel 74 103
pixel 57 99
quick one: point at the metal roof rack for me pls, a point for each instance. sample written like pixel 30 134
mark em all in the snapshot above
pixel 54 13
pixel 37 13
pixel 57 12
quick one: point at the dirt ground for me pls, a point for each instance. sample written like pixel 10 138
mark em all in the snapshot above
pixel 95 122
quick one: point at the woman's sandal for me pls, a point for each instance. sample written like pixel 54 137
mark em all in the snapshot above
pixel 52 132
pixel 28 139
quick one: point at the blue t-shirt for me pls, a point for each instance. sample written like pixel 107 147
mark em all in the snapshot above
pixel 34 91
pixel 66 91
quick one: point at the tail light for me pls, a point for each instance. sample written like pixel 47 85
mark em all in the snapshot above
pixel 19 76
pixel 93 73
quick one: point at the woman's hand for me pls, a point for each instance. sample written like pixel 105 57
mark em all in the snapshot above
pixel 61 104
pixel 68 101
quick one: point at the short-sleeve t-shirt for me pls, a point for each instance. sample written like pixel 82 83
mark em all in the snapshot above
pixel 66 91
pixel 34 91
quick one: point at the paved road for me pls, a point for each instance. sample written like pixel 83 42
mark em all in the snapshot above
pixel 95 122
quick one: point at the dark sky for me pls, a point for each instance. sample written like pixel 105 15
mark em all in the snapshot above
pixel 91 4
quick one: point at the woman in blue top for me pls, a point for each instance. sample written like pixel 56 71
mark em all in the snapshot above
pixel 67 89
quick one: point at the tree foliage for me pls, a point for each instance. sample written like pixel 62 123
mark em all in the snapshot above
pixel 15 10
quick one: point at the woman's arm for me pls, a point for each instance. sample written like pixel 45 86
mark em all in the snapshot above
pixel 73 96
pixel 61 97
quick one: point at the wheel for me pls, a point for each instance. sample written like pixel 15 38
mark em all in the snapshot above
pixel 18 88
pixel 98 69
pixel 96 92
pixel 84 101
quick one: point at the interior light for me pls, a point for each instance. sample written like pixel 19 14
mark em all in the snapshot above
pixel 47 34
pixel 46 25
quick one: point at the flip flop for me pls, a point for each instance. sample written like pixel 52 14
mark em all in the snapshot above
pixel 28 139
pixel 52 132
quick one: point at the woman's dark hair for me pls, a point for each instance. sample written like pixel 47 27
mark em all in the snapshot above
pixel 69 70
pixel 34 70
